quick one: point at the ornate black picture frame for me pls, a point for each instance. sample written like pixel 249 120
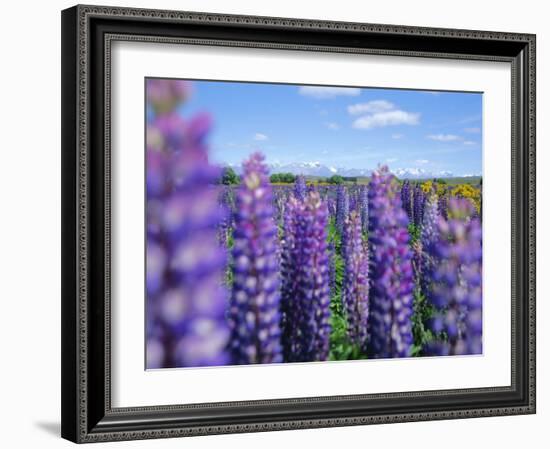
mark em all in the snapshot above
pixel 87 34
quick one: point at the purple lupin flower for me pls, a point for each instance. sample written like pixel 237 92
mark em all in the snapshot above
pixel 300 188
pixel 418 205
pixel 331 203
pixel 391 272
pixel 289 281
pixel 280 198
pixel 356 280
pixel 332 266
pixel 364 207
pixel 406 199
pixel 428 238
pixel 164 96
pixel 475 213
pixel 306 290
pixel 186 301
pixel 353 202
pixel 442 206
pixel 254 309
pixel 416 248
pixel 313 274
pixel 455 287
pixel 342 207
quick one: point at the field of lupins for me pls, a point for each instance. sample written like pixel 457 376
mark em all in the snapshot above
pixel 263 273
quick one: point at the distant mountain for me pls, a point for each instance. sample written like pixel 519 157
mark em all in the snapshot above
pixel 419 173
pixel 304 168
pixel 318 169
pixel 299 168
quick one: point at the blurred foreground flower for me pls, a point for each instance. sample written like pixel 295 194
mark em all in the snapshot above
pixel 455 287
pixel 391 272
pixel 165 95
pixel 186 302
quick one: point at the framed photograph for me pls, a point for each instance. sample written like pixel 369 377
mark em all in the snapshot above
pixel 276 224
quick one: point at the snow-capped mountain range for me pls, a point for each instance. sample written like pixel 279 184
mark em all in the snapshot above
pixel 318 169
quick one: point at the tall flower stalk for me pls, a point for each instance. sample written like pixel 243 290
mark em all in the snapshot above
pixel 364 208
pixel 342 207
pixel 454 288
pixel 353 201
pixel 289 282
pixel 300 188
pixel 442 205
pixel 331 204
pixel 428 238
pixel 279 201
pixel 418 205
pixel 306 281
pixel 406 199
pixel 254 309
pixel 186 301
pixel 391 272
pixel 331 266
pixel 356 281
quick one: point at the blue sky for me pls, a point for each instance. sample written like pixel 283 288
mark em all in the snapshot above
pixel 342 127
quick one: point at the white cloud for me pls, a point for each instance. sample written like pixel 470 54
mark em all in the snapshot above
pixel 387 118
pixel 397 136
pixel 421 161
pixel 325 92
pixel 333 126
pixel 378 113
pixel 391 159
pixel 474 130
pixel 469 142
pixel 370 107
pixel 443 137
pixel 260 136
